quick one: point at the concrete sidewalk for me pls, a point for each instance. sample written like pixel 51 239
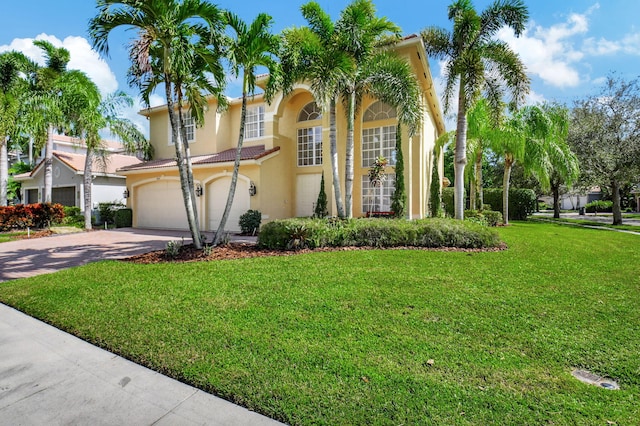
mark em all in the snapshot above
pixel 48 377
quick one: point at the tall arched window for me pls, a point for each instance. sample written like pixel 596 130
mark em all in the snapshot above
pixel 309 137
pixel 379 123
pixel 378 137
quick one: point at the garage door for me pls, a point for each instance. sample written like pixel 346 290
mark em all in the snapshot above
pixel 65 196
pixel 307 191
pixel 159 204
pixel 217 192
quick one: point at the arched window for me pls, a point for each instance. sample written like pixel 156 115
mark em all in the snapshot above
pixel 379 111
pixel 311 111
pixel 309 138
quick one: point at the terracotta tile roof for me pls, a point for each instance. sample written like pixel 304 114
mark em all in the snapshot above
pixel 229 155
pixel 76 163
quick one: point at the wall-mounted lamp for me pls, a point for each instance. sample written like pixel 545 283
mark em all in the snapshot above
pixel 125 194
pixel 198 190
pixel 252 189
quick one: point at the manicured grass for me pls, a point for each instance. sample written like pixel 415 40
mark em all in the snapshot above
pixel 5 237
pixel 379 337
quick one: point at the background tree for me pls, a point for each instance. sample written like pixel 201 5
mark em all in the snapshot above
pixel 478 63
pixel 605 135
pixel 252 48
pixel 171 34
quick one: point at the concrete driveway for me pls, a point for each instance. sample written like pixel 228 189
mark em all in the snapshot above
pixel 26 258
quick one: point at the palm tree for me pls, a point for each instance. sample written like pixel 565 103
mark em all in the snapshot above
pixel 375 72
pixel 311 54
pixel 252 47
pixel 536 136
pixel 172 34
pixel 477 63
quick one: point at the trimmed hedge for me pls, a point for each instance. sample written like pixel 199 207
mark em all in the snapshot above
pixel 599 206
pixel 291 234
pixel 123 218
pixel 38 215
pixel 522 202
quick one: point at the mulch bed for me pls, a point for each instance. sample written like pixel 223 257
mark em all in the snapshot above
pixel 247 250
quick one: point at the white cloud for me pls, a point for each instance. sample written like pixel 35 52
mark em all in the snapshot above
pixel 82 58
pixel 600 47
pixel 534 98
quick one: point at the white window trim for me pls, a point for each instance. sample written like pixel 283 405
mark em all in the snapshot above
pixel 317 146
pixel 187 117
pixel 261 129
pixel 380 194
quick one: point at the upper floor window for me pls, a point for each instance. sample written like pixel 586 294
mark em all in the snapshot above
pixel 311 111
pixel 379 111
pixel 190 127
pixel 310 146
pixel 254 123
pixel 376 142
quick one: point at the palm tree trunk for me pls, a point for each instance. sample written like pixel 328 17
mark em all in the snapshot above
pixel 348 163
pixel 508 164
pixel 187 192
pixel 617 210
pixel 4 172
pixel 555 190
pixel 87 182
pixel 472 193
pixel 48 166
pixel 479 192
pixel 460 155
pixel 337 190
pixel 234 176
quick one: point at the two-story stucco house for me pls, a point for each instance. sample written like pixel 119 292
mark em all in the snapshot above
pixel 285 153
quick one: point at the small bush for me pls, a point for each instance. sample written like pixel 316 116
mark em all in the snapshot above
pixel 72 217
pixel 250 222
pixel 123 218
pixel 475 216
pixel 599 206
pixel 173 248
pixel 493 218
pixel 314 233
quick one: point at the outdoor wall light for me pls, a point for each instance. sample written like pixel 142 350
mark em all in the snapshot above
pixel 125 194
pixel 252 189
pixel 198 190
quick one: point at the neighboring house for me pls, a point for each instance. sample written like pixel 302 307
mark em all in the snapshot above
pixel 574 200
pixel 285 153
pixel 68 179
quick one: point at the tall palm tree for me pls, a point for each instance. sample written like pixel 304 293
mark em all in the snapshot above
pixel 477 63
pixel 375 71
pixel 349 60
pixel 252 48
pixel 312 54
pixel 172 34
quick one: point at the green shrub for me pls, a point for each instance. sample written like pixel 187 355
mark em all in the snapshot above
pixel 448 201
pixel 321 203
pixel 173 248
pixel 522 202
pixel 250 222
pixel 314 233
pixel 599 206
pixel 123 218
pixel 108 211
pixel 72 217
pixel 493 218
pixel 475 216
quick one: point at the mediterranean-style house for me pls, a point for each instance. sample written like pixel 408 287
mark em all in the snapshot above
pixel 284 156
pixel 68 174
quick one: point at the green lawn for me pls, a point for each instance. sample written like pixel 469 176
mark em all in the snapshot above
pixel 379 337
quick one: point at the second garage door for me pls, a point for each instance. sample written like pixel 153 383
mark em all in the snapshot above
pixel 217 192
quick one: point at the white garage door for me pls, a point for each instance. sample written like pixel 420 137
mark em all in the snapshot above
pixel 217 193
pixel 307 191
pixel 159 204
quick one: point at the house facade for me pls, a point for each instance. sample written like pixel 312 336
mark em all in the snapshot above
pixel 285 153
pixel 68 179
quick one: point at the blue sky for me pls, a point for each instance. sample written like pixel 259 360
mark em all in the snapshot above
pixel 569 47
